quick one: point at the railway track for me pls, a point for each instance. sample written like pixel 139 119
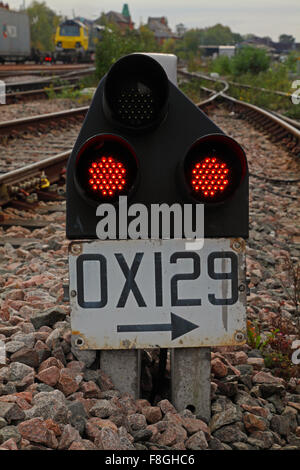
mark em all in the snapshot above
pixel 30 69
pixel 35 123
pixel 34 250
pixel 35 89
pixel 29 178
pixel 19 183
pixel 278 127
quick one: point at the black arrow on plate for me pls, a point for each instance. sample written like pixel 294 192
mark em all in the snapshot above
pixel 178 326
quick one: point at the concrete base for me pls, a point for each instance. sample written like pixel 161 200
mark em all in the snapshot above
pixel 124 369
pixel 190 373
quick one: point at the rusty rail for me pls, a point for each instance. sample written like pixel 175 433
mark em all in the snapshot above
pixel 70 76
pixel 6 127
pixel 281 128
pixel 30 177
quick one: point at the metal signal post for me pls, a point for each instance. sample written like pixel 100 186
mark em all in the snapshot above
pixel 152 281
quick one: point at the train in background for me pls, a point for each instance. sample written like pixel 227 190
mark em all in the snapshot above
pixel 14 36
pixel 75 40
pixel 15 45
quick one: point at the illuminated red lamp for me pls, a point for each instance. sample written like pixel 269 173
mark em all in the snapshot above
pixel 215 179
pixel 106 168
pixel 107 176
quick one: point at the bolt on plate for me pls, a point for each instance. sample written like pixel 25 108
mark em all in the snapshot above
pixel 239 336
pixel 75 248
pixel 238 244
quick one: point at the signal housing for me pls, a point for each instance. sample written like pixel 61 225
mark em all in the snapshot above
pixel 160 150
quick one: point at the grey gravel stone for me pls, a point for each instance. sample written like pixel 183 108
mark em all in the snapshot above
pixel 7 389
pixel 230 434
pixel 28 339
pixel 137 422
pixel 87 356
pixel 245 368
pixel 215 444
pixel 255 353
pixel 44 388
pixel 53 339
pixel 49 405
pixel 3 423
pixel 280 424
pixel 241 446
pixel 197 441
pixel 10 432
pixel 18 371
pixel 48 318
pixel 104 409
pixel 229 416
pixel 14 346
pixel 277 402
pixel 243 398
pixel 267 390
pixel 26 356
pixel 11 412
pixel 78 416
pixel 142 435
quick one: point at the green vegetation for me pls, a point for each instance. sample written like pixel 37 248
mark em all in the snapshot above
pixel 250 60
pixel 252 66
pixel 43 22
pixel 276 345
pixel 116 44
pixel 256 339
pixel 192 90
pixel 80 94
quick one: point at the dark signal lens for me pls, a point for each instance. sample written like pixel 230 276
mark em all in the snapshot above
pixel 106 168
pixel 213 168
pixel 136 92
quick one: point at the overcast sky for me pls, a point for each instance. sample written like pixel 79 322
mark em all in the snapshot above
pixel 261 17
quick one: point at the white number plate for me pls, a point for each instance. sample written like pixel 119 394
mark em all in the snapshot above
pixel 157 293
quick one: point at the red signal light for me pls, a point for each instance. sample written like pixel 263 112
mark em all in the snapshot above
pixel 213 169
pixel 106 168
pixel 108 176
pixel 215 179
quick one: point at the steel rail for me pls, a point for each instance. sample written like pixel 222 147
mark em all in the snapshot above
pixel 7 70
pixel 287 119
pixel 16 124
pixel 236 84
pixel 70 76
pixel 29 178
pixel 265 90
pixel 290 121
pixel 22 95
pixel 275 118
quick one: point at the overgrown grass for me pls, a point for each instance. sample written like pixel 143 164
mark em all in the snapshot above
pixel 75 92
pixel 192 89
pixel 277 77
pixel 274 79
pixel 276 346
